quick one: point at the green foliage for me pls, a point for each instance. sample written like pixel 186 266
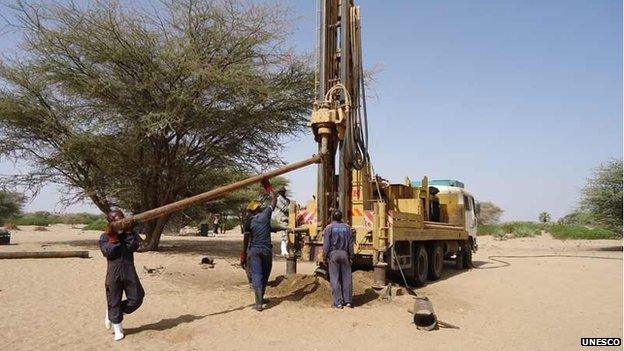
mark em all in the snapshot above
pixel 577 217
pixel 76 218
pixel 489 213
pixel 495 230
pixel 31 219
pixel 10 205
pixel 558 231
pixel 522 229
pixel 99 225
pixel 602 196
pixel 544 217
pixel 579 232
pixel 136 110
pixel 44 218
pixel 516 229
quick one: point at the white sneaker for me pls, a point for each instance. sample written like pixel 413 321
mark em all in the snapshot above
pixel 107 322
pixel 118 332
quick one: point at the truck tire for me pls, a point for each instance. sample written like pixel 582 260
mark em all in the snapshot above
pixel 436 261
pixel 468 254
pixel 459 256
pixel 421 265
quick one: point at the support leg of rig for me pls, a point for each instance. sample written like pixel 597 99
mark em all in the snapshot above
pixel 291 264
pixel 379 275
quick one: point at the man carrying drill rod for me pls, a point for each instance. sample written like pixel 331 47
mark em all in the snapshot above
pixel 338 255
pixel 118 246
pixel 259 251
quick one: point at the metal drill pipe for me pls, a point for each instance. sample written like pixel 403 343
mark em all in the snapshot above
pixel 212 194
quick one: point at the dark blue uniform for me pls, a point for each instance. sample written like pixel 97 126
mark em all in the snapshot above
pixel 338 251
pixel 121 276
pixel 260 250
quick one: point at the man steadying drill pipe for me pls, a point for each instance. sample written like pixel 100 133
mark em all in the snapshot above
pixel 118 246
pixel 338 252
pixel 258 250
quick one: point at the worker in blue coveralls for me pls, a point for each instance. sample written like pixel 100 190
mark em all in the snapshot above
pixel 118 246
pixel 338 254
pixel 259 250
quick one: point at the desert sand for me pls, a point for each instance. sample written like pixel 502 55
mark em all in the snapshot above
pixel 546 303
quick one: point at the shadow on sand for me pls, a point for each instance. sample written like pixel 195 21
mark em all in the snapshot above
pixel 164 324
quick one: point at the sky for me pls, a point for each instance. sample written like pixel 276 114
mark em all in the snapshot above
pixel 519 100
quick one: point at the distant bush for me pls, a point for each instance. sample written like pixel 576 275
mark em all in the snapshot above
pixel 43 218
pixel 577 217
pixel 579 232
pixel 40 228
pixel 99 224
pixel 11 226
pixel 516 229
pixel 32 219
pixel 490 230
pixel 76 218
pixel 522 229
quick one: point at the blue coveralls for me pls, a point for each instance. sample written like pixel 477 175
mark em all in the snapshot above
pixel 121 276
pixel 338 250
pixel 260 251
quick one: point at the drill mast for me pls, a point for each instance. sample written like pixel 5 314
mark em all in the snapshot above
pixel 339 112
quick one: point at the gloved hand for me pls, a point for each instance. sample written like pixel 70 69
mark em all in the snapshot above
pixel 113 237
pixel 243 259
pixel 266 185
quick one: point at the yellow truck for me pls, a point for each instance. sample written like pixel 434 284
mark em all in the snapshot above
pixel 395 229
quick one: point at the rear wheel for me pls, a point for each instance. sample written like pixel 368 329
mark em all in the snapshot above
pixel 459 256
pixel 468 254
pixel 421 265
pixel 436 261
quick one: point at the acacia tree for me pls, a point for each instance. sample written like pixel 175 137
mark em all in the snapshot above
pixel 136 108
pixel 602 196
pixel 489 213
pixel 10 205
pixel 544 217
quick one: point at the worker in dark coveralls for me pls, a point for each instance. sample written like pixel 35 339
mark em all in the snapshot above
pixel 338 253
pixel 434 204
pixel 259 253
pixel 118 246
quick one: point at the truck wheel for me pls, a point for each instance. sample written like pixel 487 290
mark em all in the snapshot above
pixel 468 255
pixel 436 261
pixel 421 265
pixel 459 256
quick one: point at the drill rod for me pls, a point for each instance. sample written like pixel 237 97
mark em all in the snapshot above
pixel 212 194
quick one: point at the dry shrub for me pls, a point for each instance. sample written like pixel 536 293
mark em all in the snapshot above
pixel 40 229
pixel 11 226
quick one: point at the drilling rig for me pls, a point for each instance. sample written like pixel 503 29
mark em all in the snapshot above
pixel 395 226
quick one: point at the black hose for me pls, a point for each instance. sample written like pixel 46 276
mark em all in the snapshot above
pixel 507 264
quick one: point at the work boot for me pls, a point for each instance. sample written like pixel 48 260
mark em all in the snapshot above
pixel 118 332
pixel 258 296
pixel 107 322
pixel 264 300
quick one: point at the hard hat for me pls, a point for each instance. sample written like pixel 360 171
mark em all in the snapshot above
pixel 253 205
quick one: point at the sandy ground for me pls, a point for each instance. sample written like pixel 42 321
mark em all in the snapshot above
pixel 524 304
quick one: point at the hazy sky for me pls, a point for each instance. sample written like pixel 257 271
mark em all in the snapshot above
pixel 517 99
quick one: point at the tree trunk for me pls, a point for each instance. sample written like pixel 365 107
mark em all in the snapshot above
pixel 153 231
